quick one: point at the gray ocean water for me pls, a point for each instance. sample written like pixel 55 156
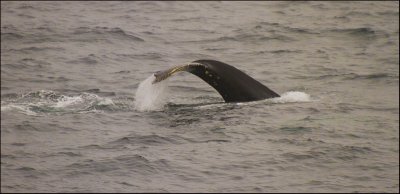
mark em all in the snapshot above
pixel 70 71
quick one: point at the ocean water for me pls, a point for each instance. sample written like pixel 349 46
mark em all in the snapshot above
pixel 78 114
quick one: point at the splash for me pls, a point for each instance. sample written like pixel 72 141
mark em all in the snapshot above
pixel 292 96
pixel 151 96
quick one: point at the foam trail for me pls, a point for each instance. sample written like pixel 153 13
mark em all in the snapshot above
pixel 23 108
pixel 48 101
pixel 292 96
pixel 151 96
pixel 65 101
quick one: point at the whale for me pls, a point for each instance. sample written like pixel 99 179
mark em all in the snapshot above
pixel 231 83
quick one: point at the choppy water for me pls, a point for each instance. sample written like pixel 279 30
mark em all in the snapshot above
pixel 70 72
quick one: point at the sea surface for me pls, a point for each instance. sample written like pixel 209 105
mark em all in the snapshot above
pixel 70 101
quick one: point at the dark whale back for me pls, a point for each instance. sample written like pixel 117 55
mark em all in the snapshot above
pixel 232 84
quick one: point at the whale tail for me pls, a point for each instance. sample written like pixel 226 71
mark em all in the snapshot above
pixel 231 83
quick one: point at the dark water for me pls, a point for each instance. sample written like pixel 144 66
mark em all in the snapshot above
pixel 70 71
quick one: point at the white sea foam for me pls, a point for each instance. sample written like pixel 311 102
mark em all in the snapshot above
pixel 287 97
pixel 292 96
pixel 151 96
pixel 65 101
pixel 106 101
pixel 44 101
pixel 20 107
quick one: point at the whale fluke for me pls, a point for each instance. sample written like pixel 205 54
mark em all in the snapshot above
pixel 231 83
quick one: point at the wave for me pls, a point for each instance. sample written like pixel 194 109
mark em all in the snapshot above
pixel 148 55
pixel 145 140
pixel 155 140
pixel 368 76
pixel 244 38
pixel 81 34
pixel 273 27
pixel 349 76
pixel 91 60
pixel 25 6
pixel 255 37
pixel 137 164
pixel 358 14
pixel 356 32
pixel 29 50
pixel 104 31
pixel 355 76
pixel 389 13
pixel 280 51
pixel 11 36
